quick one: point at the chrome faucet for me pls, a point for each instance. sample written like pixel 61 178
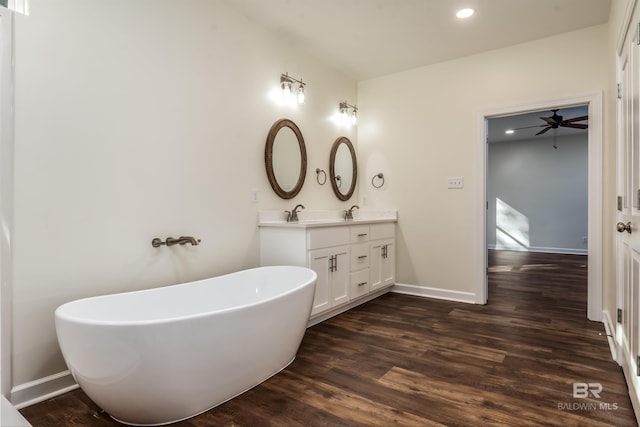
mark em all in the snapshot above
pixel 349 214
pixel 182 240
pixel 292 216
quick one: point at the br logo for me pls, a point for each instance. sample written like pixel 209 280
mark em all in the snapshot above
pixel 584 390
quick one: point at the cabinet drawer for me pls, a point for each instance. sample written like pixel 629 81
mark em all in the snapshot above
pixel 327 237
pixel 359 256
pixel 360 283
pixel 382 231
pixel 359 233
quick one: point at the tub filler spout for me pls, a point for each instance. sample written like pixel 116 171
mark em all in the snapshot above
pixel 182 240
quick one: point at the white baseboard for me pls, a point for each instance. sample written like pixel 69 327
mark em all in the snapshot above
pixel 37 391
pixel 425 291
pixel 543 249
pixel 610 329
pixel 631 378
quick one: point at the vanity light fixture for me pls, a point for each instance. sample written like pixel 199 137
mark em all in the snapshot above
pixel 344 113
pixel 286 81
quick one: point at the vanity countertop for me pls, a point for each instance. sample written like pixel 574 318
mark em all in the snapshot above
pixel 315 219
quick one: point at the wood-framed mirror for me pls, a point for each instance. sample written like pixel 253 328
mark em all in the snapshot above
pixel 285 158
pixel 343 168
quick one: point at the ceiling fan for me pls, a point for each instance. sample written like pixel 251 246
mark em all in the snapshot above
pixel 556 121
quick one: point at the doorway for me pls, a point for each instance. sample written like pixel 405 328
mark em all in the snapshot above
pixel 537 174
pixel 593 236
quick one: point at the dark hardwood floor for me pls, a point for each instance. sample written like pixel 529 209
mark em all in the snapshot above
pixel 411 361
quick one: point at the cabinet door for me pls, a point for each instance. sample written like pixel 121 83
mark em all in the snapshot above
pixel 319 261
pixel 382 263
pixel 389 263
pixel 332 286
pixel 340 277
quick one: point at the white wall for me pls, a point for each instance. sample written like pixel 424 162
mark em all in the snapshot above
pixel 146 119
pixel 419 127
pixel 537 195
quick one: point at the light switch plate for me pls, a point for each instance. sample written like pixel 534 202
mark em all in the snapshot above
pixel 455 182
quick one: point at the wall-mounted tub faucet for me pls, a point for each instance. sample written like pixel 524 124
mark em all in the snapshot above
pixel 170 241
pixel 293 215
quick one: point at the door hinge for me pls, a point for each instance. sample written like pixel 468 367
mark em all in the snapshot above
pixel 620 203
pixel 619 315
pixel 619 91
pixel 638 366
pixel 638 34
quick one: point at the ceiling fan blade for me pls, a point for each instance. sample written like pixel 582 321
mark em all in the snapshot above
pixel 550 120
pixel 544 130
pixel 576 119
pixel 574 125
pixel 529 127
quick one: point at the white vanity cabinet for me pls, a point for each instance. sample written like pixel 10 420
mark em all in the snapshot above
pixel 354 262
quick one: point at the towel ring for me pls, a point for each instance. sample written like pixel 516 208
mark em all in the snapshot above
pixel 379 176
pixel 318 172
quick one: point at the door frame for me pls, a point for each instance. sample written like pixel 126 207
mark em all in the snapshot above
pixel 6 195
pixel 595 189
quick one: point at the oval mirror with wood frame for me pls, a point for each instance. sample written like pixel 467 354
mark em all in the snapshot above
pixel 285 158
pixel 343 168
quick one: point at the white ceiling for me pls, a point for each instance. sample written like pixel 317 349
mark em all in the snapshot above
pixel 365 39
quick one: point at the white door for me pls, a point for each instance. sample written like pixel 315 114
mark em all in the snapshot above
pixel 627 334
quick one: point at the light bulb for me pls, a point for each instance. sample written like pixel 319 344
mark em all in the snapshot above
pixel 301 94
pixel 286 89
pixel 345 116
pixel 465 13
pixel 354 117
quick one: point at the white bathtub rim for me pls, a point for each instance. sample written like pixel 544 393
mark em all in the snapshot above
pixel 214 406
pixel 165 320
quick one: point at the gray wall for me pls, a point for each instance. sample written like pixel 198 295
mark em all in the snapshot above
pixel 538 195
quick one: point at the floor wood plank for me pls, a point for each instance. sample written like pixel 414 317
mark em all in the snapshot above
pixel 411 361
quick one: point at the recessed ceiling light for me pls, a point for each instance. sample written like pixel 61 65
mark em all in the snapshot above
pixel 509 131
pixel 465 13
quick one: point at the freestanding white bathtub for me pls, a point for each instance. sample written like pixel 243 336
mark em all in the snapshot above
pixel 162 355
